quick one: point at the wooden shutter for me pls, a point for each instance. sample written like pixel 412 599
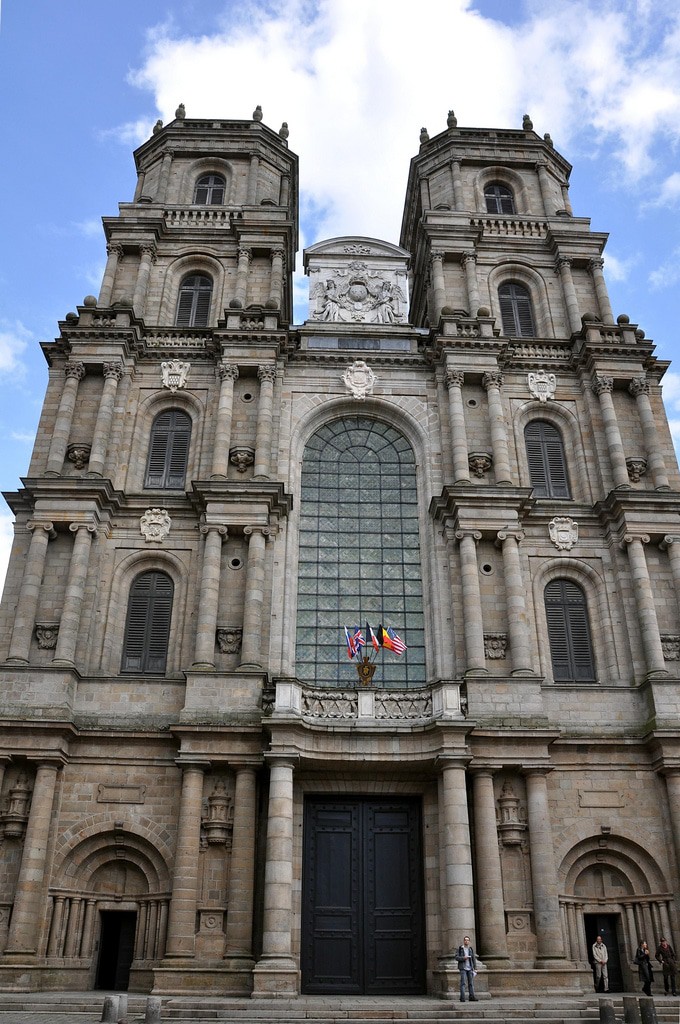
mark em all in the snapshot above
pixel 546 460
pixel 516 311
pixel 571 648
pixel 147 628
pixel 193 303
pixel 185 306
pixel 169 450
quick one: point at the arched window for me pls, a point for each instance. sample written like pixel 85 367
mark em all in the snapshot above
pixel 147 627
pixel 571 649
pixel 499 199
pixel 168 450
pixel 545 456
pixel 516 311
pixel 360 558
pixel 210 190
pixel 193 304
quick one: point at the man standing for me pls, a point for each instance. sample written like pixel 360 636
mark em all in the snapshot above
pixel 467 965
pixel 600 958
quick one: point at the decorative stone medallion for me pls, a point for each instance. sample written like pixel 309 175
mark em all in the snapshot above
pixel 229 639
pixel 174 374
pixel 563 532
pixel 542 385
pixel 46 634
pixel 359 379
pixel 495 645
pixel 155 525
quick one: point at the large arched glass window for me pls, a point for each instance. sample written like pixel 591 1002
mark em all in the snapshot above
pixel 359 555
pixel 571 649
pixel 147 627
pixel 210 190
pixel 193 303
pixel 516 311
pixel 499 198
pixel 546 460
pixel 168 450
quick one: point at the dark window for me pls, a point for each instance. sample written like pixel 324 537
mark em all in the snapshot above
pixel 516 312
pixel 499 199
pixel 193 305
pixel 571 648
pixel 210 190
pixel 147 628
pixel 168 450
pixel 547 464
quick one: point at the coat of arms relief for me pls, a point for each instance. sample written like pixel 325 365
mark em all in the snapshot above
pixel 355 293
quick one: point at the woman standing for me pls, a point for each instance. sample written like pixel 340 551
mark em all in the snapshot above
pixel 642 959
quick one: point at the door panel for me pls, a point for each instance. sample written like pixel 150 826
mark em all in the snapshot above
pixel 607 925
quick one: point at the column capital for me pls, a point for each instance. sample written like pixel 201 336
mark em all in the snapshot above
pixel 444 761
pixel 75 370
pixel 602 385
pixel 244 253
pixel 148 249
pixel 112 371
pixel 669 540
pixel 48 527
pixel 536 770
pixel 227 371
pixel 436 256
pixel 483 771
pixel 275 757
pixel 475 534
pixel 266 372
pixel 220 528
pixel 278 251
pixel 53 762
pixel 250 530
pixel 90 527
pixel 193 764
pixel 639 386
pixel 562 263
pixel 630 538
pixel 114 248
pixel 454 379
pixel 468 257
pixel 596 263
pixel 492 379
pixel 503 535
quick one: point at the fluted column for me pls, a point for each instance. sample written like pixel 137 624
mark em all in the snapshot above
pixel 671 544
pixel 28 909
pixel 473 625
pixel 457 182
pixel 461 469
pixel 148 251
pixel 490 902
pixel 209 596
pixel 595 266
pixel 251 644
pixel 469 261
pixel 73 928
pixel 457 891
pixel 639 387
pixel 228 373
pixel 644 600
pixel 62 428
pixel 276 283
pixel 266 375
pixel 164 176
pixel 492 382
pixel 114 252
pixel 56 927
pixel 24 617
pixel 545 185
pixel 244 257
pixel 113 373
pixel 549 939
pixel 253 172
pixel 438 287
pixel 88 928
pixel 239 938
pixel 603 387
pixel 182 918
pixel 71 608
pixel 563 267
pixel 515 595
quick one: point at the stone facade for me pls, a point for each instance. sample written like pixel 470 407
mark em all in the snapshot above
pixel 161 827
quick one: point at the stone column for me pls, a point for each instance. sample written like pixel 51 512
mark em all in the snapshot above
pixel 284 190
pixel 671 544
pixel 549 937
pixel 473 625
pixel 457 183
pixel 490 902
pixel 603 387
pixel 644 599
pixel 469 261
pixel 209 596
pixel 182 918
pixel 24 617
pixel 277 924
pixel 492 382
pixel 266 375
pixel 563 268
pixel 276 284
pixel 113 373
pixel 244 257
pixel 28 909
pixel 251 643
pixel 71 608
pixel 253 172
pixel 545 185
pixel 239 939
pixel 461 470
pixel 631 928
pixel 72 943
pixel 62 428
pixel 564 186
pixel 114 252
pixel 227 373
pixel 88 928
pixel 595 266
pixel 672 776
pixel 457 891
pixel 515 590
pixel 639 387
pixel 438 287
pixel 57 924
pixel 164 176
pixel 148 251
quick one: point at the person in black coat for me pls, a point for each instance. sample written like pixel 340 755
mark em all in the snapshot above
pixel 467 965
pixel 644 963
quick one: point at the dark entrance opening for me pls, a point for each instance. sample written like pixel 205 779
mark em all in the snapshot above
pixel 116 949
pixel 609 927
pixel 362 897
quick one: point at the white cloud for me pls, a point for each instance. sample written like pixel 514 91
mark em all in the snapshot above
pixel 132 133
pixel 618 269
pixel 669 191
pixel 14 338
pixel 6 538
pixel 91 228
pixel 667 273
pixel 25 437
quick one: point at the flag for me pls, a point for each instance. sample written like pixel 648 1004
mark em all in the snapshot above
pixel 392 641
pixel 358 638
pixel 370 635
pixel 351 644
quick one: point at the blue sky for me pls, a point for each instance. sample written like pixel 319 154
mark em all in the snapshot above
pixel 82 84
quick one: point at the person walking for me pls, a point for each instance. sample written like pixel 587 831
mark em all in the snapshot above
pixel 644 964
pixel 600 958
pixel 467 965
pixel 665 954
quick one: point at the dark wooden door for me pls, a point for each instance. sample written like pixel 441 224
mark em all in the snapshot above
pixel 116 949
pixel 362 919
pixel 608 926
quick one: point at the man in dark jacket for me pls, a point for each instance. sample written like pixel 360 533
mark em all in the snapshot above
pixel 467 965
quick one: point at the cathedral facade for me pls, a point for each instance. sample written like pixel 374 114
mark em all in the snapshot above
pixel 461 451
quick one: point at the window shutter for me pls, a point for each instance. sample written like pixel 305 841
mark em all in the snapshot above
pixel 546 460
pixel 147 627
pixel 516 311
pixel 158 624
pixel 571 647
pixel 534 447
pixel 202 308
pixel 507 311
pixel 178 456
pixel 169 450
pixel 193 303
pixel 184 308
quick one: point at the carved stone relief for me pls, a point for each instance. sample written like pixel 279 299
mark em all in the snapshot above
pixel 359 379
pixel 355 293
pixel 542 385
pixel 563 532
pixel 155 524
pixel 174 374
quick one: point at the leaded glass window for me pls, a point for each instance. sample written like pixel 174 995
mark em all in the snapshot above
pixel 359 555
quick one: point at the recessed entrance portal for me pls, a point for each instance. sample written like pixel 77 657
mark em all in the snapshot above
pixel 606 925
pixel 116 949
pixel 362 897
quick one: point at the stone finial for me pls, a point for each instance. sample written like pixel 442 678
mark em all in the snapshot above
pixel 622 319
pixel 527 123
pixel 283 131
pixel 90 301
pixel 451 120
pixel 157 127
pixel 257 113
pixel 548 141
pixel 181 113
pixel 424 136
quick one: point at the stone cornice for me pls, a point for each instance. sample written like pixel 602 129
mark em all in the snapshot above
pixel 243 502
pixel 458 498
